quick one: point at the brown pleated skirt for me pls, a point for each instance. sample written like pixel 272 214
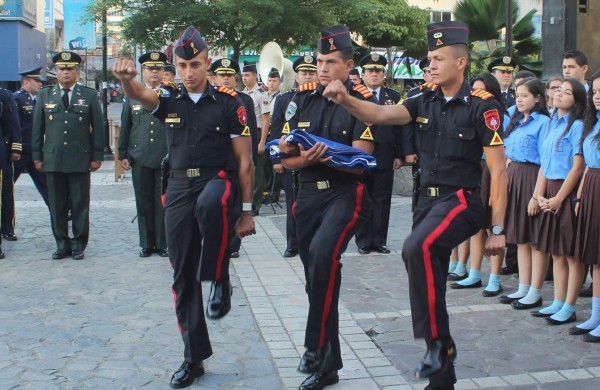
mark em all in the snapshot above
pixel 556 234
pixel 587 243
pixel 485 195
pixel 520 227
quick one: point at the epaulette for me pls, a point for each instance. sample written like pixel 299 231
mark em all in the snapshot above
pixel 481 93
pixel 169 85
pixel 363 91
pixel 86 87
pixel 47 86
pixel 308 86
pixel 431 86
pixel 228 91
pixel 260 90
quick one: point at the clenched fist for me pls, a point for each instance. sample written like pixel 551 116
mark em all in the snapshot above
pixel 336 91
pixel 124 70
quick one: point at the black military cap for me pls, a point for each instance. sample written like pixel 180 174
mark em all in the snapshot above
pixel 334 38
pixel 502 63
pixel 189 44
pixel 274 72
pixel 307 62
pixel 225 66
pixel 446 33
pixel 424 64
pixel 66 59
pixel 153 59
pixel 354 72
pixel 169 67
pixel 249 67
pixel 373 61
pixel 35 74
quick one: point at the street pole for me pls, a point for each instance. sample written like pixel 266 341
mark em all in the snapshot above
pixel 107 151
pixel 508 38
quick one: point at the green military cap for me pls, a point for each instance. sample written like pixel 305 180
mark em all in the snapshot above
pixel 502 63
pixel 373 61
pixel 153 59
pixel 66 59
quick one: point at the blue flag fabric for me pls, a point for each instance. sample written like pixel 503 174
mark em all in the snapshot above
pixel 342 156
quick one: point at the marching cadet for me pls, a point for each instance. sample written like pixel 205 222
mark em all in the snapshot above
pixel 169 72
pixel 379 181
pixel 502 68
pixel 306 72
pixel 68 144
pixel 142 147
pixel 31 82
pixel 330 201
pixel 455 124
pixel 206 126
pixel 225 71
pixel 11 134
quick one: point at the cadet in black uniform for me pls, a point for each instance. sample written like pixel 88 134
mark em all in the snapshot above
pixel 306 72
pixel 142 148
pixel 379 181
pixel 455 124
pixel 10 130
pixel 31 82
pixel 206 127
pixel 502 68
pixel 331 202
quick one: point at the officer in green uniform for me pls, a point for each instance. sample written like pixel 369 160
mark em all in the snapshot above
pixel 68 143
pixel 142 147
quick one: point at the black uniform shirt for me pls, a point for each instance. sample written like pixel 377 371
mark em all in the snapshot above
pixel 451 135
pixel 198 134
pixel 309 110
pixel 10 129
pixel 277 129
pixel 25 104
pixel 389 137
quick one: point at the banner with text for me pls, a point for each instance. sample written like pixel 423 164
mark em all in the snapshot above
pixel 78 35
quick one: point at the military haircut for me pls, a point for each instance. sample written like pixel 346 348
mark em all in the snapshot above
pixel 347 54
pixel 460 50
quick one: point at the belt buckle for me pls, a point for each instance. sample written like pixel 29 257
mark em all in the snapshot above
pixel 323 185
pixel 433 191
pixel 193 172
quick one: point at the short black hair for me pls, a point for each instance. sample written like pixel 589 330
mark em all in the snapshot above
pixel 524 74
pixel 347 54
pixel 580 58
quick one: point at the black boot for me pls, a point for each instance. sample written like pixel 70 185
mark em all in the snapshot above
pixel 185 375
pixel 436 358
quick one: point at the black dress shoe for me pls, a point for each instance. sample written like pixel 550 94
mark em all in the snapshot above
pixel 60 254
pixel 540 315
pixel 382 249
pixel 524 306
pixel 509 270
pixel 145 252
pixel 9 236
pixel 575 331
pixel 488 293
pixel 235 254
pixel 290 252
pixel 552 321
pixel 587 292
pixel 588 338
pixel 452 277
pixel 186 374
pixel 458 286
pixel 508 300
pixel 319 380
pixel 162 252
pixel 78 255
pixel 364 250
pixel 219 300
pixel 311 361
pixel 448 387
pixel 436 359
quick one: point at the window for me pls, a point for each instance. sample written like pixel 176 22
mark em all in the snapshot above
pixel 583 6
pixel 440 16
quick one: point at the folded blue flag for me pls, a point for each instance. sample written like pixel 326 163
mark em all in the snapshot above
pixel 342 156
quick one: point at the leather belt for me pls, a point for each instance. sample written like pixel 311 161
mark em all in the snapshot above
pixel 320 185
pixel 434 192
pixel 192 172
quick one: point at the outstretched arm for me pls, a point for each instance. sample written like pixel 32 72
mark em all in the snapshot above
pixel 125 71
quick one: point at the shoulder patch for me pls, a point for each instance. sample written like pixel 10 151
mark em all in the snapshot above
pixel 246 132
pixel 363 91
pixel 308 87
pixel 482 94
pixel 367 135
pixel 496 140
pixel 286 128
pixel 227 91
pixel 431 86
pixel 162 92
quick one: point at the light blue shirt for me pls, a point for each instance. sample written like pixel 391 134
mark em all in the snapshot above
pixel 557 157
pixel 591 152
pixel 524 143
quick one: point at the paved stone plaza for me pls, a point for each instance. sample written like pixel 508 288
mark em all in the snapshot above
pixel 107 322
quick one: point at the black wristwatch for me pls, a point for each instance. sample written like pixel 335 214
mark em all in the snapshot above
pixel 497 230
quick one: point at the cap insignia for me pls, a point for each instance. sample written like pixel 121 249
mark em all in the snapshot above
pixel 154 56
pixel 65 56
pixel 226 63
pixel 332 46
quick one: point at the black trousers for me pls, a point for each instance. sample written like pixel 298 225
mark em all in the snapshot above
pixel 69 191
pixel 200 215
pixel 325 222
pixel 439 224
pixel 150 212
pixel 379 183
pixel 287 180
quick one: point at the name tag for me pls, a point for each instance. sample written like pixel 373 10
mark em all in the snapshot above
pixel 50 105
pixel 136 107
pixel 172 120
pixel 303 124
pixel 422 120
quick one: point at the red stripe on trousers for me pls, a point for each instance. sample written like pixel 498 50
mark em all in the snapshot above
pixel 225 237
pixel 335 263
pixel 175 306
pixel 429 240
pixel 294 209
